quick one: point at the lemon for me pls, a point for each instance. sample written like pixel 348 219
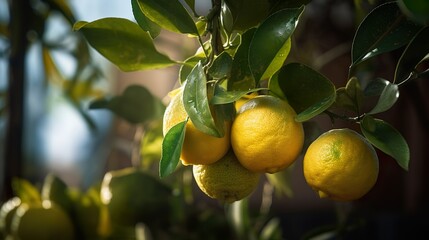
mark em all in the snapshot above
pixel 226 180
pixel 198 147
pixel 341 165
pixel 132 196
pixel 265 136
pixel 41 221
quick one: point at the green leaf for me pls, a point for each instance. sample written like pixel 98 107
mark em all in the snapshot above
pixel 223 97
pixel 221 66
pixel 416 9
pixel 169 14
pixel 306 90
pixel 136 105
pixel 124 43
pixel 387 139
pixel 270 45
pixel 25 190
pixel 196 102
pixel 144 22
pixel 151 144
pixel 171 149
pixel 188 65
pixel 413 54
pixel 384 29
pixel 241 77
pixel 388 96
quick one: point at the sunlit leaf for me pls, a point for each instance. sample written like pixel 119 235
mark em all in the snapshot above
pixel 124 43
pixel 241 77
pixel 171 149
pixel 306 90
pixel 196 102
pixel 188 65
pixel 386 138
pixel 384 29
pixel 388 92
pixel 144 22
pixel 26 191
pixel 223 97
pixel 169 14
pixel 151 144
pixel 415 52
pixel 270 45
pixel 136 105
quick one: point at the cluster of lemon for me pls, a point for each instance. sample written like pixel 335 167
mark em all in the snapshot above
pixel 265 138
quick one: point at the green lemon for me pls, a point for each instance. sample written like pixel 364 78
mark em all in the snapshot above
pixel 132 196
pixel 41 221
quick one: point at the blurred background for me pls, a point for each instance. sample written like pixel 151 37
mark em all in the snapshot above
pixel 80 145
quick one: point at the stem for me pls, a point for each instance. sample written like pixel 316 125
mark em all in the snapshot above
pixel 18 27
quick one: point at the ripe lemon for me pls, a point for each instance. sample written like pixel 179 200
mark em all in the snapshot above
pixel 341 165
pixel 226 180
pixel 198 147
pixel 265 136
pixel 41 221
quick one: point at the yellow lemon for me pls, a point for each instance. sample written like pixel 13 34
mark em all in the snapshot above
pixel 198 147
pixel 226 180
pixel 341 165
pixel 244 99
pixel 265 136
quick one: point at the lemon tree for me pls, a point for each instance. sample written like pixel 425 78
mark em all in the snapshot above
pixel 244 49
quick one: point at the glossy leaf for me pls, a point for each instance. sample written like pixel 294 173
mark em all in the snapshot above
pixel 389 94
pixel 306 90
pixel 413 54
pixel 136 105
pixel 223 97
pixel 196 102
pixel 171 149
pixel 386 138
pixel 221 66
pixel 270 45
pixel 188 65
pixel 169 14
pixel 241 77
pixel 144 22
pixel 384 29
pixel 124 43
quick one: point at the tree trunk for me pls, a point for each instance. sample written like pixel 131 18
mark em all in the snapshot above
pixel 18 27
